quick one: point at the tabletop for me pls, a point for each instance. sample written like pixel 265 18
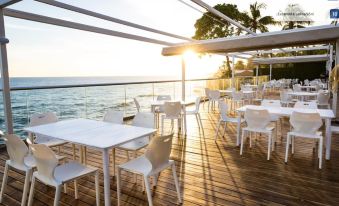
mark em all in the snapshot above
pixel 162 102
pixel 303 93
pixel 92 133
pixel 230 91
pixel 287 111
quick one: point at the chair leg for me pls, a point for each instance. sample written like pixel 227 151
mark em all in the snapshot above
pixel 57 195
pixel 217 131
pixel 269 146
pixel 225 126
pixel 320 152
pixel 65 188
pixel 74 151
pixel 202 128
pixel 251 138
pixel 135 175
pixel 31 193
pixel 4 182
pixel 113 161
pixel 148 191
pixel 287 147
pixel 292 141
pixel 242 141
pixel 118 185
pixel 76 191
pixel 197 118
pixel 176 181
pixel 97 190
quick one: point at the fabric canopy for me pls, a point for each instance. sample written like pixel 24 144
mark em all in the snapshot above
pixel 291 59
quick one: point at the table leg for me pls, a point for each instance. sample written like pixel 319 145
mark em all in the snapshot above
pixel 185 125
pixel 238 127
pixel 328 138
pixel 105 168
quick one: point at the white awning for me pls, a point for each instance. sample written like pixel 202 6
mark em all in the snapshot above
pixel 268 40
pixel 291 59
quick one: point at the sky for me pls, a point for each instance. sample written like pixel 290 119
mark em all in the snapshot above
pixel 39 50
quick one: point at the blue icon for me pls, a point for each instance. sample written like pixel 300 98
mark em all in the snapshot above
pixel 334 13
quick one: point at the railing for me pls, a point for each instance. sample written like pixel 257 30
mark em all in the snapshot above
pixel 92 100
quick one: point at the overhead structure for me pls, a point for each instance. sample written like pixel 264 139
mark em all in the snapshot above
pixel 269 40
pixel 292 59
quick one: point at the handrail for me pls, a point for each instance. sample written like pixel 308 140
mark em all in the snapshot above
pixel 105 84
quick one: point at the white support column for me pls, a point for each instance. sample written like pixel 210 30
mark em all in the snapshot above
pixel 233 71
pixel 6 92
pixel 183 78
pixel 270 72
pixel 257 70
pixel 335 94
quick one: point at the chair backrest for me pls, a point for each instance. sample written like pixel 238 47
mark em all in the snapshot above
pixel 164 97
pixel 223 109
pixel 308 123
pixel 46 162
pixel 297 88
pixel 323 97
pixel 137 105
pixel 144 119
pixel 306 82
pixel 237 96
pixel 306 105
pixel 41 119
pixel 284 97
pixel 172 109
pixel 116 117
pixel 44 118
pixel 257 118
pixel 207 92
pixel 270 103
pixel 197 104
pixel 214 95
pixel 16 149
pixel 158 150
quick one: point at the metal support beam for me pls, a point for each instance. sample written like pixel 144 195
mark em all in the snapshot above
pixel 4 3
pixel 183 78
pixel 233 71
pixel 6 91
pixel 270 72
pixel 335 94
pixel 223 16
pixel 256 74
pixel 78 26
pixel 109 18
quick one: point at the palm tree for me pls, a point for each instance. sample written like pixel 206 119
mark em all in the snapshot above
pixel 254 21
pixel 295 24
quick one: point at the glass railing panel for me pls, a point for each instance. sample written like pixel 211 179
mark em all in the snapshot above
pixel 143 93
pixel 101 98
pixel 164 89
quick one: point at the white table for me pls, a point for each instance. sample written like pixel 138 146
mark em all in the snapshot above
pixel 302 95
pixel 325 114
pixel 158 103
pixel 229 92
pixel 308 88
pixel 95 134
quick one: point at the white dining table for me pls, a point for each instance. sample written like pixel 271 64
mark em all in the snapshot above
pixel 157 103
pixel 325 114
pixel 98 135
pixel 302 95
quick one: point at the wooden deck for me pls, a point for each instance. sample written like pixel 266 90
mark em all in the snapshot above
pixel 212 173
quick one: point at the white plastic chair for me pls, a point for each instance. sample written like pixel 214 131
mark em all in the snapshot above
pixel 137 105
pixel 141 119
pixel 274 118
pixel 41 119
pixel 20 159
pixel 207 95
pixel 285 99
pixel 116 117
pixel 52 174
pixel 297 88
pixel 258 122
pixel 155 160
pixel 323 99
pixel 172 111
pixel 214 96
pixel 306 105
pixel 224 118
pixel 305 125
pixel 196 113
pixel 237 100
pixel 160 109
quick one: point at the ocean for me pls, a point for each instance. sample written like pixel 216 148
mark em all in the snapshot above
pixel 87 102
